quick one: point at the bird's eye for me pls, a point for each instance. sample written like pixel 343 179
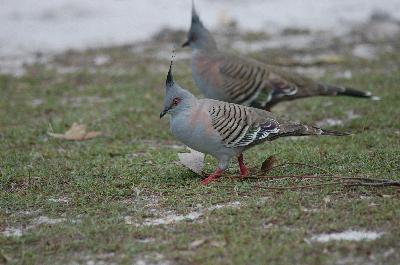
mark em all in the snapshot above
pixel 176 101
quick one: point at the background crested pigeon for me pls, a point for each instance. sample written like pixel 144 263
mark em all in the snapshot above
pixel 225 130
pixel 249 82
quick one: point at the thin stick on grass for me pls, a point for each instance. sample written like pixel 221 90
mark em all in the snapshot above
pixel 301 164
pixel 315 177
pixel 381 184
pixel 345 181
pixel 298 187
pixel 324 184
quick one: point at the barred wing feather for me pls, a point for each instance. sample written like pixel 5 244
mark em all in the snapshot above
pixel 239 125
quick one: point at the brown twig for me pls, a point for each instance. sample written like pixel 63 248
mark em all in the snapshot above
pixel 301 164
pixel 298 187
pixel 381 184
pixel 317 177
pixel 267 177
pixel 344 183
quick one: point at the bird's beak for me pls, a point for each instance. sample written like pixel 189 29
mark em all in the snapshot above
pixel 162 114
pixel 186 44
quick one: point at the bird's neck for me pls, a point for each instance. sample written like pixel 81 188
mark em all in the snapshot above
pixel 200 53
pixel 206 47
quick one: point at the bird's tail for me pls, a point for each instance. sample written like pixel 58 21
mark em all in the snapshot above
pixel 296 129
pixel 345 91
pixel 333 133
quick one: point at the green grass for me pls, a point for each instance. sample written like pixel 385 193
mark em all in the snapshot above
pixel 131 171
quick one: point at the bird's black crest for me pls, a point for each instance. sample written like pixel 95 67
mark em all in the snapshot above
pixel 170 78
pixel 195 16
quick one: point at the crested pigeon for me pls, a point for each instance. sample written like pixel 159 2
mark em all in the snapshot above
pixel 225 130
pixel 246 81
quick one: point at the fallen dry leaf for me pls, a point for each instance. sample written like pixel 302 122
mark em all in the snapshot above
pixel 197 243
pixel 268 163
pixel 217 244
pixel 193 161
pixel 77 132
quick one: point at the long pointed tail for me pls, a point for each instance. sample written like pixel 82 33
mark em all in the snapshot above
pixel 333 133
pixel 297 129
pixel 345 91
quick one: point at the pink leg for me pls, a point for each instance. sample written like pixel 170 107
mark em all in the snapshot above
pixel 217 173
pixel 243 170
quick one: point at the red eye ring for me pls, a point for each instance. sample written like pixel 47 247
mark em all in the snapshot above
pixel 176 101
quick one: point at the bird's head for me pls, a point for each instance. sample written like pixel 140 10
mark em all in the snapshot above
pixel 176 98
pixel 198 36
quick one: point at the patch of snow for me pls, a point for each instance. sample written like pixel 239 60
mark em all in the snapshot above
pixel 27 212
pixel 171 217
pixel 151 259
pixel 311 210
pixel 349 235
pixel 235 204
pixel 351 115
pixel 15 64
pixel 101 60
pixel 295 42
pixel 37 102
pixel 315 72
pixel 17 232
pixel 365 51
pixel 347 74
pixel 329 122
pixel 92 258
pixel 100 259
pixel 12 232
pixel 245 46
pixel 61 200
pixel 46 220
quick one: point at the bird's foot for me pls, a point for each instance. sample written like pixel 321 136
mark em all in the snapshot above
pixel 243 169
pixel 244 172
pixel 212 177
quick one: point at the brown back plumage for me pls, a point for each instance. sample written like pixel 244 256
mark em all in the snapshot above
pixel 252 83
